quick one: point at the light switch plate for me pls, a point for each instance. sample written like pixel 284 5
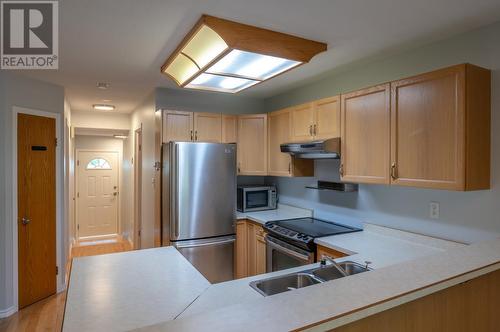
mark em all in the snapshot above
pixel 434 210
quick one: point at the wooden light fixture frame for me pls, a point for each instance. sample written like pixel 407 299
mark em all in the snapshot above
pixel 248 38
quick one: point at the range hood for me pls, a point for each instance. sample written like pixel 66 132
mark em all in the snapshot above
pixel 325 149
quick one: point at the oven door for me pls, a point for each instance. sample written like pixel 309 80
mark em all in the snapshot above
pixel 282 255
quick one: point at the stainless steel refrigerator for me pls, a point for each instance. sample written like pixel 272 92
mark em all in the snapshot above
pixel 199 205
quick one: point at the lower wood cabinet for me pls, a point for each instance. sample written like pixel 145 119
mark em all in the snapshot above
pixel 324 251
pixel 250 249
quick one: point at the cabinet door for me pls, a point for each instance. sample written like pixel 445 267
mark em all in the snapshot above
pixel 229 128
pixel 208 127
pixel 252 144
pixel 326 118
pixel 302 123
pixel 260 251
pixel 177 126
pixel 365 135
pixel 241 250
pixel 324 251
pixel 279 132
pixel 251 249
pixel 427 144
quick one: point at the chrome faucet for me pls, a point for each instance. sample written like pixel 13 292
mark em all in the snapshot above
pixel 325 258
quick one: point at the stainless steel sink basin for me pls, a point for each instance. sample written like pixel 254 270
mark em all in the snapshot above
pixel 330 272
pixel 284 283
pixel 288 282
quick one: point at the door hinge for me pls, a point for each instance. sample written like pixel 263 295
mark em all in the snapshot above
pixel 57 270
pixel 139 233
pixel 56 141
pixel 78 227
pixel 77 195
pixel 78 163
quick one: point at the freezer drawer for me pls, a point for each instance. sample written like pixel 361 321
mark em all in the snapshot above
pixel 213 257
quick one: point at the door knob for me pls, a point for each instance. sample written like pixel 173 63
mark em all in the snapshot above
pixel 115 193
pixel 25 220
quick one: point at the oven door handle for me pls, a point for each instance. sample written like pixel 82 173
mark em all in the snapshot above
pixel 287 251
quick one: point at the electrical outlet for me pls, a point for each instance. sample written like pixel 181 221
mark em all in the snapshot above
pixel 434 210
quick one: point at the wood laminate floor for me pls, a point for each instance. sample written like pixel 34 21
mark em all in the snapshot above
pixel 47 315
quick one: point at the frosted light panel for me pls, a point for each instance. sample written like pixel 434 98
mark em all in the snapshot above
pixel 181 69
pixel 204 46
pixel 251 65
pixel 220 83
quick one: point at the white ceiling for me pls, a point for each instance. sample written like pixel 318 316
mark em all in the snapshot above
pixel 125 42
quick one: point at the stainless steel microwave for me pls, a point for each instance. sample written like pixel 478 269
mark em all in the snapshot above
pixel 256 198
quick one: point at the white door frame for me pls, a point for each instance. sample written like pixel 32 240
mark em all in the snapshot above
pixel 137 191
pixel 118 206
pixel 59 200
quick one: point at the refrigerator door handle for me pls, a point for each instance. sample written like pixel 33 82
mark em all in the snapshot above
pixel 174 209
pixel 204 243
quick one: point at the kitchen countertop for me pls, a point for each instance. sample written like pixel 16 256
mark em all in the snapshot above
pixel 123 291
pixel 344 300
pixel 406 266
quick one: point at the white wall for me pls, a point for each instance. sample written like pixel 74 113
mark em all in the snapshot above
pixel 101 143
pixel 100 120
pixel 465 216
pixel 21 91
pixel 143 116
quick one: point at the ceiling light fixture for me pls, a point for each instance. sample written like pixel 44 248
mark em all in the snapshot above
pixel 103 107
pixel 103 85
pixel 227 56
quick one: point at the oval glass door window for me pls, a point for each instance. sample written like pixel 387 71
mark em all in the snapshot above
pixel 98 163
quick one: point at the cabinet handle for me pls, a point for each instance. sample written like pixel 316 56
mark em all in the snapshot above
pixel 341 170
pixel 239 171
pixel 196 135
pixel 310 130
pixel 289 168
pixel 191 135
pixel 314 130
pixel 394 171
pixel 25 221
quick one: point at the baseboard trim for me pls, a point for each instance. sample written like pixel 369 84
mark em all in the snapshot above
pixel 7 312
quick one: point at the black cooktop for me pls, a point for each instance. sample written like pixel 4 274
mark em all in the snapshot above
pixel 303 231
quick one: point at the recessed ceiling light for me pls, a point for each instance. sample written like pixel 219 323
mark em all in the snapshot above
pixel 103 85
pixel 106 100
pixel 227 56
pixel 103 107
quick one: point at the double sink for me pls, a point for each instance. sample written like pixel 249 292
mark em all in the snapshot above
pixel 323 273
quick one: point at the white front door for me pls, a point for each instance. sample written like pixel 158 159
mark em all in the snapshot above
pixel 97 212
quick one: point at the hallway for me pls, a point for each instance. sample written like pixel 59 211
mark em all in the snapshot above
pixel 47 315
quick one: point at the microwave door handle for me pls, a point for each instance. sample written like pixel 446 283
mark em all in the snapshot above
pixel 288 251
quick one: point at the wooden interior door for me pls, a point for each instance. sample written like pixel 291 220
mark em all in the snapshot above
pixel 36 167
pixel 428 130
pixel 97 193
pixel 252 144
pixel 208 127
pixel 326 118
pixel 229 128
pixel 302 123
pixel 279 133
pixel 365 138
pixel 177 126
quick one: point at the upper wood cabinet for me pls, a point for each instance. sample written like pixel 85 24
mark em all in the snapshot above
pixel 252 144
pixel 229 128
pixel 191 127
pixel 279 163
pixel 177 126
pixel 326 118
pixel 365 137
pixel 207 127
pixel 316 120
pixel 441 129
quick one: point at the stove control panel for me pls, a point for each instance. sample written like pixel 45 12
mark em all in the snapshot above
pixel 288 233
